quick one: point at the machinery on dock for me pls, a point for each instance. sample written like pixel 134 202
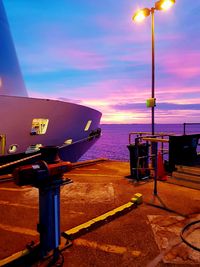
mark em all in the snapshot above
pixel 47 176
pixel 143 153
pixel 173 150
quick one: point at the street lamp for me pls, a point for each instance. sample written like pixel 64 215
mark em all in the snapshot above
pixel 139 16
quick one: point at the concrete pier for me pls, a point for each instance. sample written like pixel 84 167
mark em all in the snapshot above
pixel 148 234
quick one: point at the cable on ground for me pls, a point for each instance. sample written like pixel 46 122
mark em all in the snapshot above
pixel 184 230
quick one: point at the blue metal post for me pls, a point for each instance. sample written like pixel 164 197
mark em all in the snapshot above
pixel 49 218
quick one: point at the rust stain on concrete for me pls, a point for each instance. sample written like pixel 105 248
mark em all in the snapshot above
pixel 167 231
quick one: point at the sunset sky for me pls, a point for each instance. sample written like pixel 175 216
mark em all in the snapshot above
pixel 91 52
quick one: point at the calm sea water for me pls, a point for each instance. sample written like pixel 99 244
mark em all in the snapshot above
pixel 115 138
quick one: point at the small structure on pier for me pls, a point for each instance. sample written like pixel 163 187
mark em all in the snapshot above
pixel 151 153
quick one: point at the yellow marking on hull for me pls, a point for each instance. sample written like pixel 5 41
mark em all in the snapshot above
pixel 106 247
pixel 19 230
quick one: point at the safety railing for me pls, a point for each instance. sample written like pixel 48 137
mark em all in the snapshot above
pixel 168 149
pixel 145 149
pixel 189 123
pixel 160 138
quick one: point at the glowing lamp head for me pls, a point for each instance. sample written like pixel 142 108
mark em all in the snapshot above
pixel 141 14
pixel 164 4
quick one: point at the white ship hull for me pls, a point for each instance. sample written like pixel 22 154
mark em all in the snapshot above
pixel 26 123
pixel 70 127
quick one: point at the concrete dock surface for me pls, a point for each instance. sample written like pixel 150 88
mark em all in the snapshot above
pixel 148 235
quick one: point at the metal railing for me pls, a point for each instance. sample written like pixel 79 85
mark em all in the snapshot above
pixel 153 145
pixel 189 123
pixel 160 138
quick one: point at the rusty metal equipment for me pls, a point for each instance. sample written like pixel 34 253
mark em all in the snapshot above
pixel 47 176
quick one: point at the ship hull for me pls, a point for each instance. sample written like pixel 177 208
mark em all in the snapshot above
pixel 26 123
pixel 71 127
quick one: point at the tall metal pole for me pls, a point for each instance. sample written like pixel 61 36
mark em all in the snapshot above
pixel 154 148
pixel 153 69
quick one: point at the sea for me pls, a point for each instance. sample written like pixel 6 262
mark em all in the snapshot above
pixel 115 139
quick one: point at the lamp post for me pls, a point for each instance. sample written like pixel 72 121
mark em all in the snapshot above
pixel 138 17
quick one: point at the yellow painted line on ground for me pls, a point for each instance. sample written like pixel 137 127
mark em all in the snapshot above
pixel 22 253
pixel 113 212
pixel 14 257
pixel 13 189
pixel 110 215
pixel 106 247
pixel 102 218
pixel 7 203
pixel 18 230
